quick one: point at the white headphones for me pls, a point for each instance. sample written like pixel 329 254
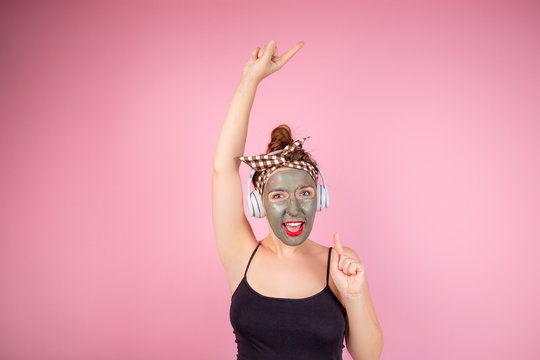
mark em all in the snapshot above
pixel 255 203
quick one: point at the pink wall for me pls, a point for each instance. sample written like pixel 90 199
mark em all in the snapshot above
pixel 424 117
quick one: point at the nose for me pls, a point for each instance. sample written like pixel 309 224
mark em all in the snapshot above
pixel 293 206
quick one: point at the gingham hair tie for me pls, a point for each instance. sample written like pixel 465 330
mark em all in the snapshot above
pixel 267 163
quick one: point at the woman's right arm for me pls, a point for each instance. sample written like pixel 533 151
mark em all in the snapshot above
pixel 231 227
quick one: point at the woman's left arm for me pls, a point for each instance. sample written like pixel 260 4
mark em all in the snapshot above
pixel 364 336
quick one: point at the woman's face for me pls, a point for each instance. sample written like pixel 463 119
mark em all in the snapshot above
pixel 289 196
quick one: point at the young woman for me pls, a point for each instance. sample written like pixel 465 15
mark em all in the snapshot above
pixel 278 310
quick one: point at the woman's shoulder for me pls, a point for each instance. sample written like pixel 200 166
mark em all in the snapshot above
pixel 317 249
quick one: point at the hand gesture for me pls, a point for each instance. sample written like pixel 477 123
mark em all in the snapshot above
pixel 347 272
pixel 265 60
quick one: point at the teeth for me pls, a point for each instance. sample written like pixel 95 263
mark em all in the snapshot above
pixel 294 224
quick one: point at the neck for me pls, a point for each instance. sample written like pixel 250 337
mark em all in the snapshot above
pixel 282 250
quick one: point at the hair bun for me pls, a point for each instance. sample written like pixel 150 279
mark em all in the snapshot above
pixel 280 138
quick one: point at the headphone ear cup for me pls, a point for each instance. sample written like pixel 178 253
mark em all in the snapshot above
pixel 319 197
pixel 256 205
pixel 322 194
pixel 262 212
pixel 254 200
pixel 326 198
pixel 249 201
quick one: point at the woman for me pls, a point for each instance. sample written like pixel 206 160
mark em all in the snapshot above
pixel 281 312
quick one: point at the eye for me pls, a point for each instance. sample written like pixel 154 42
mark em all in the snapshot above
pixel 306 192
pixel 274 196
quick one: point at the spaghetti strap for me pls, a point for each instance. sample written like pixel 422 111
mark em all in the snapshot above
pixel 249 262
pixel 328 264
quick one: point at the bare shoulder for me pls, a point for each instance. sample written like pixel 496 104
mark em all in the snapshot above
pixel 320 251
pixel 350 252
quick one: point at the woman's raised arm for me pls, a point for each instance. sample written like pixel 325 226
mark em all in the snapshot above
pixel 231 228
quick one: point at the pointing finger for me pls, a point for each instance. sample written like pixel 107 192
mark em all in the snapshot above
pixel 337 244
pixel 283 59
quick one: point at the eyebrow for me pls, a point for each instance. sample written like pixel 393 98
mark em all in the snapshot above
pixel 285 190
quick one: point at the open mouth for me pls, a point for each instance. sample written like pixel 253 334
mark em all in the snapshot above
pixel 293 228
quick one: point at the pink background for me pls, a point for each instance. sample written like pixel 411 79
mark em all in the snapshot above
pixel 423 115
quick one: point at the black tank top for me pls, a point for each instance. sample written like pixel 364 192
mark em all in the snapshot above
pixel 269 328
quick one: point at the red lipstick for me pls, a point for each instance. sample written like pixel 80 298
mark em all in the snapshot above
pixel 293 233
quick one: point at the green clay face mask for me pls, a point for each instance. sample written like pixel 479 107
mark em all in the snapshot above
pixel 290 202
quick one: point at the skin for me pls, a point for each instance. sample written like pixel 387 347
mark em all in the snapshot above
pixel 289 195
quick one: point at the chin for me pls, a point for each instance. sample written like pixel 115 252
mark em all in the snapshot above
pixel 292 242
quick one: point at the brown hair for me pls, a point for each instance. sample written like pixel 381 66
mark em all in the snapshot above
pixel 281 136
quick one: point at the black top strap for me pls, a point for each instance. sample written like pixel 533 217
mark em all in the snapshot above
pixel 328 264
pixel 249 262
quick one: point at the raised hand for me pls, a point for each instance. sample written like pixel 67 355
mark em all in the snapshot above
pixel 265 60
pixel 347 272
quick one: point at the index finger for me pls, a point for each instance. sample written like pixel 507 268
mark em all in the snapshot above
pixel 338 244
pixel 283 59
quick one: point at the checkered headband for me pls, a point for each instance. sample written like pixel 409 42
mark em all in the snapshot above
pixel 265 164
